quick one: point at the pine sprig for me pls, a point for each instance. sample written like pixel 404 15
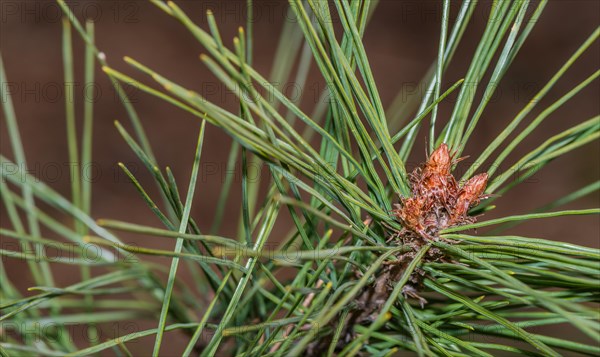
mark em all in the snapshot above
pixel 349 277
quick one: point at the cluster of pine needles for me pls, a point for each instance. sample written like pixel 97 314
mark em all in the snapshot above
pixel 378 260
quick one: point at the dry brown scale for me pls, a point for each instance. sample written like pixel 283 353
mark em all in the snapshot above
pixel 438 202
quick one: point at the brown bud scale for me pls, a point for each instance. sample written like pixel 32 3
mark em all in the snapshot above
pixel 438 201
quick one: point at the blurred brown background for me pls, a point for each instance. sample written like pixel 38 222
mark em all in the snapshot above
pixel 401 41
